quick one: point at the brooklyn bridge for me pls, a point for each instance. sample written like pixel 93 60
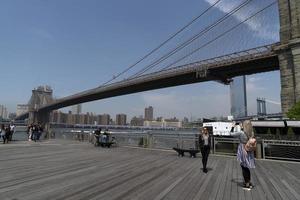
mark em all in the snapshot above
pixel 139 166
pixel 173 68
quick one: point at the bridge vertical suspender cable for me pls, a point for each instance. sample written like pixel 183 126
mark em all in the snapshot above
pixel 163 43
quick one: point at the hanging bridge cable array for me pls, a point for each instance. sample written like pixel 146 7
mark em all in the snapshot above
pixel 163 43
pixel 221 35
pixel 190 40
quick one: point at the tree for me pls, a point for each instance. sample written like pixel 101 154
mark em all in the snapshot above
pixel 294 112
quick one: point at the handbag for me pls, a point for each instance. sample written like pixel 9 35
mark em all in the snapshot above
pixel 251 144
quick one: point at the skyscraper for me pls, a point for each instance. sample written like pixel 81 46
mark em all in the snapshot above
pixel 77 109
pixel 149 113
pixel 105 119
pixel 137 121
pixel 3 112
pixel 238 97
pixel 120 119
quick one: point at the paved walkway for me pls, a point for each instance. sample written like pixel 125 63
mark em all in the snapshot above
pixel 73 170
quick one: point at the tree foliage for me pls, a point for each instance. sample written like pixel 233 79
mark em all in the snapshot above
pixel 294 112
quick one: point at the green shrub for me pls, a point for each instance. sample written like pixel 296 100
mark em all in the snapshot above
pixel 294 112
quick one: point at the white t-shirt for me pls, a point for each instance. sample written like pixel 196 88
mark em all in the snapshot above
pixel 12 128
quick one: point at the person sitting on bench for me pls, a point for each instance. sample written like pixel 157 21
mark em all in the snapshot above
pixel 97 136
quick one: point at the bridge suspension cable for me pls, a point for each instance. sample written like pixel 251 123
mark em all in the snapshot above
pixel 272 102
pixel 190 40
pixel 163 43
pixel 216 38
pixel 221 35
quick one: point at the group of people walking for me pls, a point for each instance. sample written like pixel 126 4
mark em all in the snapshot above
pixel 7 132
pixel 34 132
pixel 245 151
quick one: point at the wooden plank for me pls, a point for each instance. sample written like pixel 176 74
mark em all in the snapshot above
pixel 196 179
pixel 241 192
pixel 65 170
pixel 223 181
pixel 248 195
pixel 228 185
pixel 277 181
pixel 212 170
pixel 164 184
pixel 257 191
pixel 180 188
pixel 164 193
pixel 214 191
pixel 291 190
pixel 107 187
pixel 267 185
pixel 235 181
pixel 199 194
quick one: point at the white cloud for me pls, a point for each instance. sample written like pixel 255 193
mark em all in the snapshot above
pixel 253 79
pixel 252 87
pixel 254 84
pixel 262 30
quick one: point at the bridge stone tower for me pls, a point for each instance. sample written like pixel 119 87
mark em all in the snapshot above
pixel 289 52
pixel 40 96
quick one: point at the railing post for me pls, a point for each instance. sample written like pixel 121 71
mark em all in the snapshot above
pixel 196 142
pixel 178 141
pixel 149 140
pixel 212 143
pixel 263 148
pixel 214 139
pixel 258 151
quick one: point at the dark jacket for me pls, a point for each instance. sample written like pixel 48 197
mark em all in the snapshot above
pixel 201 141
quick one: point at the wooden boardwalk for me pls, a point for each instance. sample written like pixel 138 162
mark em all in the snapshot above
pixel 73 170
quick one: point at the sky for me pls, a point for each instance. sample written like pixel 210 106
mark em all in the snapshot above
pixel 75 45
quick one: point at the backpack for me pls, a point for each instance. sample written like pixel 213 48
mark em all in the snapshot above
pixel 251 144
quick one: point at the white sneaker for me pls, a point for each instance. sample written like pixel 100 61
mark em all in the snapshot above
pixel 247 187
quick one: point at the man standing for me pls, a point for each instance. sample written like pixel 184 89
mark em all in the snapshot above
pixel 12 131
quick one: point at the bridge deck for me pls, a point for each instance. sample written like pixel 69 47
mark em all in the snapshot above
pixel 65 170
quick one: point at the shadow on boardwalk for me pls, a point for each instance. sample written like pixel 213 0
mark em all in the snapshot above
pixel 74 170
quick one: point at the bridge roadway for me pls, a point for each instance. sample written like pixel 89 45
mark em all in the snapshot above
pixel 221 69
pixel 61 170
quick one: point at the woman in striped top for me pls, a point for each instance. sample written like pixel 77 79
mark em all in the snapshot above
pixel 245 152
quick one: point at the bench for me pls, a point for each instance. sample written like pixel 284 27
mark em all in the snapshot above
pixel 106 144
pixel 192 152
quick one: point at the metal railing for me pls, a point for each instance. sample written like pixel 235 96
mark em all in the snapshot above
pixel 227 146
pixel 266 149
pixel 281 149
